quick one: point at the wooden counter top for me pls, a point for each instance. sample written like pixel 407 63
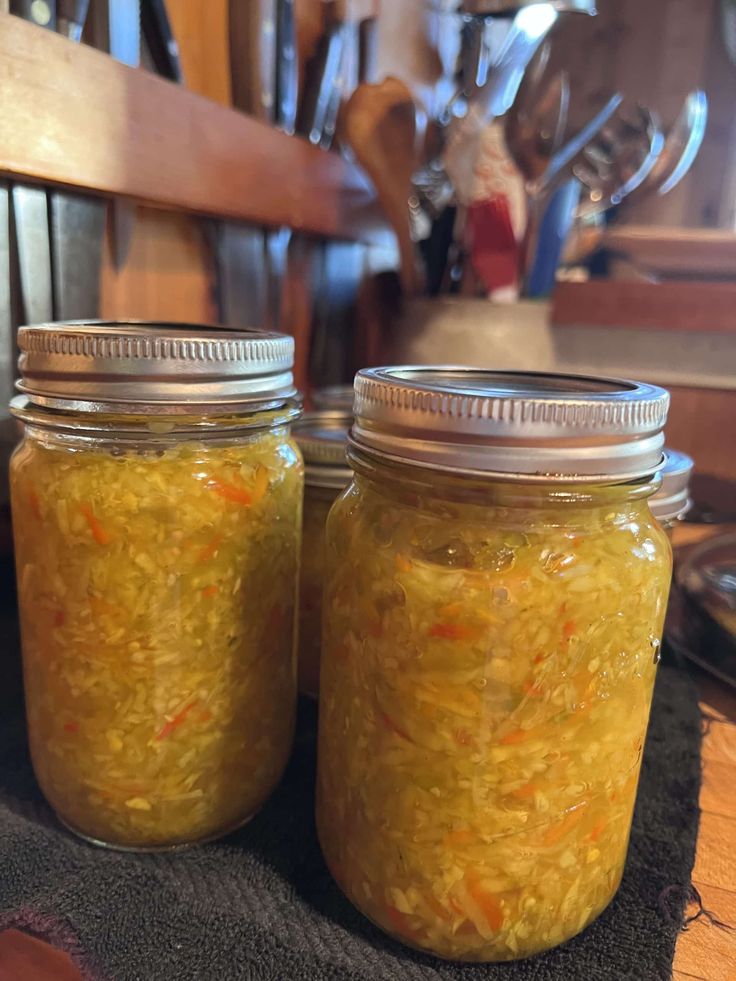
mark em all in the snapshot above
pixel 706 951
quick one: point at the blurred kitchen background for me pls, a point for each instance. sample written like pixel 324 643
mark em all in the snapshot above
pixel 494 182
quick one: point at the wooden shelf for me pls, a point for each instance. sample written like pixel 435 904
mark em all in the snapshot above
pixel 70 115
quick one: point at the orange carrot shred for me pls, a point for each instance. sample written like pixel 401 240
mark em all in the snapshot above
pixel 488 904
pixel 393 727
pixel 59 618
pixel 513 737
pixel 598 830
pixel 399 922
pixel 210 591
pixel 99 534
pixel 527 790
pixel 71 727
pixel 558 831
pixel 209 551
pixel 568 629
pixel 35 504
pixel 533 689
pixel 402 563
pixel 174 724
pixel 229 492
pixel 452 631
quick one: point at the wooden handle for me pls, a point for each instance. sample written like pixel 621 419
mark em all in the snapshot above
pixel 379 122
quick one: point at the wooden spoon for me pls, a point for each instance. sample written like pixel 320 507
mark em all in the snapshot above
pixel 379 123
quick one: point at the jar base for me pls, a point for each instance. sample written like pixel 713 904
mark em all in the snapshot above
pixel 153 849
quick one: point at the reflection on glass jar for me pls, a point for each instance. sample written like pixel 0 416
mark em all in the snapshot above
pixel 157 550
pixel 672 501
pixel 322 438
pixel 490 646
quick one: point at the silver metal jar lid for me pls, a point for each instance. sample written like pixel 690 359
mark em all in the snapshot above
pixel 339 397
pixel 130 366
pixel 672 500
pixel 323 440
pixel 522 425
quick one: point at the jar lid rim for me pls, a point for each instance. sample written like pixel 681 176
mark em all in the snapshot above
pixel 541 425
pixel 128 364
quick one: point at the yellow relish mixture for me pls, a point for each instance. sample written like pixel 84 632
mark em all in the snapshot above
pixel 157 594
pixel 488 661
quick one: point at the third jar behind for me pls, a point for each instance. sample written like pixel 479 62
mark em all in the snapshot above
pixel 322 438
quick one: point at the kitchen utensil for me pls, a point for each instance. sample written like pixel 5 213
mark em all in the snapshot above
pixel 496 95
pixel 320 101
pixel 680 149
pixel 253 56
pixel 30 207
pixel 115 27
pixel 77 236
pixel 242 280
pixel 506 7
pixel 379 124
pixel 77 222
pixel 287 68
pixel 620 158
pixel 31 218
pixel 70 18
pixel 7 331
pixel 159 39
pixel 42 13
pixel 561 165
pixel 615 162
pixel 536 124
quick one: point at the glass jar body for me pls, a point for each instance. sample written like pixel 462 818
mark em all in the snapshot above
pixel 157 567
pixel 489 653
pixel 317 504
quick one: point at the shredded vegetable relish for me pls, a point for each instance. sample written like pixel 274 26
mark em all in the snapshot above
pixel 487 673
pixel 157 593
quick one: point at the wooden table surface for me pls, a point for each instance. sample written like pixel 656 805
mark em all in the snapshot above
pixel 705 951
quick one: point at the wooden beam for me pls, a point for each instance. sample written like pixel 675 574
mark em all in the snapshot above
pixel 70 115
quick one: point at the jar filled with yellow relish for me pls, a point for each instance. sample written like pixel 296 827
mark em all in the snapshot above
pixel 156 502
pixel 322 438
pixel 495 592
pixel 672 501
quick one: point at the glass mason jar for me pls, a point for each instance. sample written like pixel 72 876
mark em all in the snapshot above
pixel 495 593
pixel 156 502
pixel 334 398
pixel 672 501
pixel 322 438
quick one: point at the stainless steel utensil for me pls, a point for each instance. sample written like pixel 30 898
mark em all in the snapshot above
pixel 287 68
pixel 7 327
pixel 680 149
pixel 70 18
pixel 253 57
pixel 619 159
pixel 31 217
pixel 561 166
pixel 499 7
pixel 77 236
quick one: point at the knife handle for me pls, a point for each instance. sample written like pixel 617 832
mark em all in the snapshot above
pixel 39 12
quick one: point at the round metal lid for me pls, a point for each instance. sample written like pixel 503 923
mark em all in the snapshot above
pixel 334 397
pixel 512 424
pixel 164 367
pixel 672 499
pixel 323 439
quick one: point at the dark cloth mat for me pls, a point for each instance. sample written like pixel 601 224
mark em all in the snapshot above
pixel 260 905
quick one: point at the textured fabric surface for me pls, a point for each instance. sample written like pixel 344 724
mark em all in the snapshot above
pixel 260 905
